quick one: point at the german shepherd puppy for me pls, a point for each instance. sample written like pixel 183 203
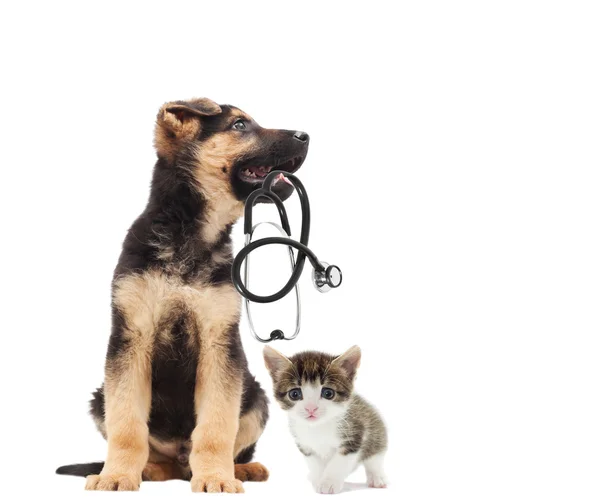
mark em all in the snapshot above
pixel 178 400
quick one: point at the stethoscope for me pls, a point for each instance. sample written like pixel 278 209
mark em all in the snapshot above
pixel 325 276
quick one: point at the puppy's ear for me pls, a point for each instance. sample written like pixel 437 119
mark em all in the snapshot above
pixel 179 121
pixel 349 361
pixel 197 107
pixel 274 360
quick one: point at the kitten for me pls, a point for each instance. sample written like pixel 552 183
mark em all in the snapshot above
pixel 334 428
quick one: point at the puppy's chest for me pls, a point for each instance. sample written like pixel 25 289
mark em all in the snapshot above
pixel 323 439
pixel 197 266
pixel 154 299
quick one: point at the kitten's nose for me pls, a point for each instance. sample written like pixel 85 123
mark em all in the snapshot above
pixel 311 409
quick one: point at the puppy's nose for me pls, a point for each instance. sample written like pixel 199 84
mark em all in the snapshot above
pixel 301 136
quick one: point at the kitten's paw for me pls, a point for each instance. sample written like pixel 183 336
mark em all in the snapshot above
pixel 216 484
pixel 330 486
pixel 377 481
pixel 120 482
pixel 314 479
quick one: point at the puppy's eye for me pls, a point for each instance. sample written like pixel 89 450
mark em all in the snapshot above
pixel 295 394
pixel 239 124
pixel 327 393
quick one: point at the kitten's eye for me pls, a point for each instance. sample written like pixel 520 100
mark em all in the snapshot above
pixel 295 394
pixel 239 124
pixel 327 393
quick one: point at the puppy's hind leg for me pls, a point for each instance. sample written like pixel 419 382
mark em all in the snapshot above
pixel 251 427
pixel 159 472
pixel 246 471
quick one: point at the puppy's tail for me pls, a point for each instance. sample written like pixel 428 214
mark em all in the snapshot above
pixel 82 470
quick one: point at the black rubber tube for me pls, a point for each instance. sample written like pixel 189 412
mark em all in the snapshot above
pixel 303 251
pixel 301 246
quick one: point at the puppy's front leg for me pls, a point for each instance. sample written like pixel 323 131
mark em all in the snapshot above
pixel 217 401
pixel 127 395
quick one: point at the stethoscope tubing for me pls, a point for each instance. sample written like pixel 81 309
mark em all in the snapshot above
pixel 301 245
pixel 303 252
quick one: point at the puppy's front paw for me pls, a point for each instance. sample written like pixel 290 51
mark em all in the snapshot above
pixel 330 486
pixel 118 482
pixel 216 484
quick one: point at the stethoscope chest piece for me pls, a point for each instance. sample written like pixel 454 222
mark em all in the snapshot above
pixel 325 276
pixel 325 280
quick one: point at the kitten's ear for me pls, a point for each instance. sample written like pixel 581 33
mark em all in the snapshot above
pixel 349 361
pixel 274 360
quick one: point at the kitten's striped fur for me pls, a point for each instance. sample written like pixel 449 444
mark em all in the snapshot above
pixel 335 428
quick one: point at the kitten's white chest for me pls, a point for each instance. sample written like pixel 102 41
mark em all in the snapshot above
pixel 322 439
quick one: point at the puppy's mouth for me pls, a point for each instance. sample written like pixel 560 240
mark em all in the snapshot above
pixel 254 171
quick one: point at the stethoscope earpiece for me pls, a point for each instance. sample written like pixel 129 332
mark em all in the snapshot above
pixel 325 276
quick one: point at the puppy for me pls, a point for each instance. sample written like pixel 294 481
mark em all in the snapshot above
pixel 178 400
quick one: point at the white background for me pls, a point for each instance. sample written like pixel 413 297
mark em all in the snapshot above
pixel 453 175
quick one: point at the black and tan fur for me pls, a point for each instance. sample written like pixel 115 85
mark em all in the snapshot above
pixel 178 400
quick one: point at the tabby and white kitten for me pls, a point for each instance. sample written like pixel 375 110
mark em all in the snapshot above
pixel 334 428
